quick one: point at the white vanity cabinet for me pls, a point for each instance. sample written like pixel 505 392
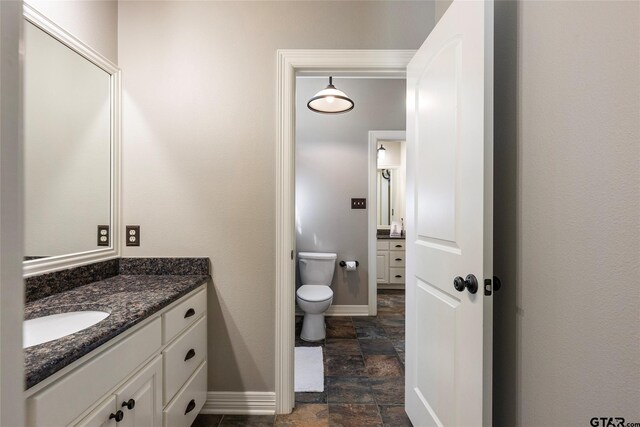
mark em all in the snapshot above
pixel 390 263
pixel 142 378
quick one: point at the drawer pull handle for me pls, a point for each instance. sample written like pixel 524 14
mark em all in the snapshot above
pixel 129 404
pixel 398 276
pixel 398 259
pixel 190 354
pixel 398 246
pixel 189 313
pixel 190 406
pixel 119 415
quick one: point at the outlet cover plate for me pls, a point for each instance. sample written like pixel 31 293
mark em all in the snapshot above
pixel 103 235
pixel 133 235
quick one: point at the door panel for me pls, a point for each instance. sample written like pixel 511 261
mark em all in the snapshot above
pixel 449 199
pixel 145 388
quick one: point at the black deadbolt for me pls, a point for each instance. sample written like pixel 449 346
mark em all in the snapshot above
pixel 119 415
pixel 129 404
pixel 471 283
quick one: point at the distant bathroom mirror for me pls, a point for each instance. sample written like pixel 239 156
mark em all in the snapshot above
pixel 385 209
pixel 71 115
pixel 390 179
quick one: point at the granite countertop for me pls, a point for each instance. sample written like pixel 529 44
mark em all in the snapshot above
pixel 128 298
pixel 387 237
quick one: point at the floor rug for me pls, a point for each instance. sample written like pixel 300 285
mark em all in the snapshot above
pixel 309 372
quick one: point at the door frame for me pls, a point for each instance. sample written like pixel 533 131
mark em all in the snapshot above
pixel 292 62
pixel 376 136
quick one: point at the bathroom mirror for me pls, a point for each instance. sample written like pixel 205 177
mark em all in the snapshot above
pixel 385 209
pixel 390 187
pixel 71 137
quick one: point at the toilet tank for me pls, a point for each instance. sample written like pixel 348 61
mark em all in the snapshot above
pixel 316 268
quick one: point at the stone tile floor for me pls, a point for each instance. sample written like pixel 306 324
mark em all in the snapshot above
pixel 364 375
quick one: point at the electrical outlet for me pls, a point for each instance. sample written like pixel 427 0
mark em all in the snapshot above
pixel 358 203
pixel 103 235
pixel 133 235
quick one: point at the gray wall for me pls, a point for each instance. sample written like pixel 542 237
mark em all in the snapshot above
pixel 567 217
pixel 199 144
pixel 93 22
pixel 332 166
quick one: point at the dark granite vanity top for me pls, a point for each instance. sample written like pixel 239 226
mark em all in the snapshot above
pixel 384 234
pixel 129 298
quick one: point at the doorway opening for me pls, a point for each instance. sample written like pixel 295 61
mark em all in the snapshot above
pixel 387 183
pixel 292 63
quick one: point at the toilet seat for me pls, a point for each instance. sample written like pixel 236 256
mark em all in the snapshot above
pixel 314 293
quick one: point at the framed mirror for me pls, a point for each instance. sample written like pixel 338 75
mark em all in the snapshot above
pixel 390 182
pixel 385 197
pixel 71 149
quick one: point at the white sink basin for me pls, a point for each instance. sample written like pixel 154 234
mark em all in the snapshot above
pixel 48 328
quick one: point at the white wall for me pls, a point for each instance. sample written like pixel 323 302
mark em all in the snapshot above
pixel 67 147
pixel 199 144
pixel 332 166
pixel 567 212
pixel 94 22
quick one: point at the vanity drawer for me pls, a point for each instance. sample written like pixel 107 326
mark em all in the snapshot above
pixel 396 275
pixel 396 259
pixel 184 408
pixel 90 382
pixel 183 315
pixel 183 356
pixel 397 245
pixel 382 245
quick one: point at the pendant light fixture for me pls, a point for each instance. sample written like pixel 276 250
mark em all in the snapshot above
pixel 330 101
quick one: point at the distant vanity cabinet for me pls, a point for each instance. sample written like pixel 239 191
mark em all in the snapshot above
pixel 153 375
pixel 390 263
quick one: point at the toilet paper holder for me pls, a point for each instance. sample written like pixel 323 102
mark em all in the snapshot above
pixel 344 264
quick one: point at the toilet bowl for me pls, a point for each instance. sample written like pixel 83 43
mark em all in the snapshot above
pixel 314 297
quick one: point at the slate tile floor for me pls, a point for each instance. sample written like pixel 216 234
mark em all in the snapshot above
pixel 364 375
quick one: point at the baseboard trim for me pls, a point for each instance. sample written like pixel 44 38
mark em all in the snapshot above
pixel 398 286
pixel 348 310
pixel 240 403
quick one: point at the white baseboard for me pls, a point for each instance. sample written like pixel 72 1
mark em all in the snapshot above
pixel 342 310
pixel 348 310
pixel 391 286
pixel 240 403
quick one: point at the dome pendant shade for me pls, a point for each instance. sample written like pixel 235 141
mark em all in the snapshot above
pixel 330 101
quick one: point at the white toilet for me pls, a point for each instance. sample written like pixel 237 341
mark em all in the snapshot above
pixel 315 295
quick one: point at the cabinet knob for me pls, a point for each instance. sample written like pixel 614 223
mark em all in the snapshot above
pixel 190 354
pixel 119 415
pixel 190 406
pixel 129 404
pixel 189 313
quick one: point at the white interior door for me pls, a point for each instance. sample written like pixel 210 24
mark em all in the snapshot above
pixel 449 220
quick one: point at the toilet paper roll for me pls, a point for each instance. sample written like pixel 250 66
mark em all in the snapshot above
pixel 351 266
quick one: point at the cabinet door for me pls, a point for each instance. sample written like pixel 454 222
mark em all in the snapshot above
pixel 382 267
pixel 99 417
pixel 143 393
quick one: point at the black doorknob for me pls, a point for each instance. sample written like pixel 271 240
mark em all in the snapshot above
pixel 470 283
pixel 129 404
pixel 119 415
